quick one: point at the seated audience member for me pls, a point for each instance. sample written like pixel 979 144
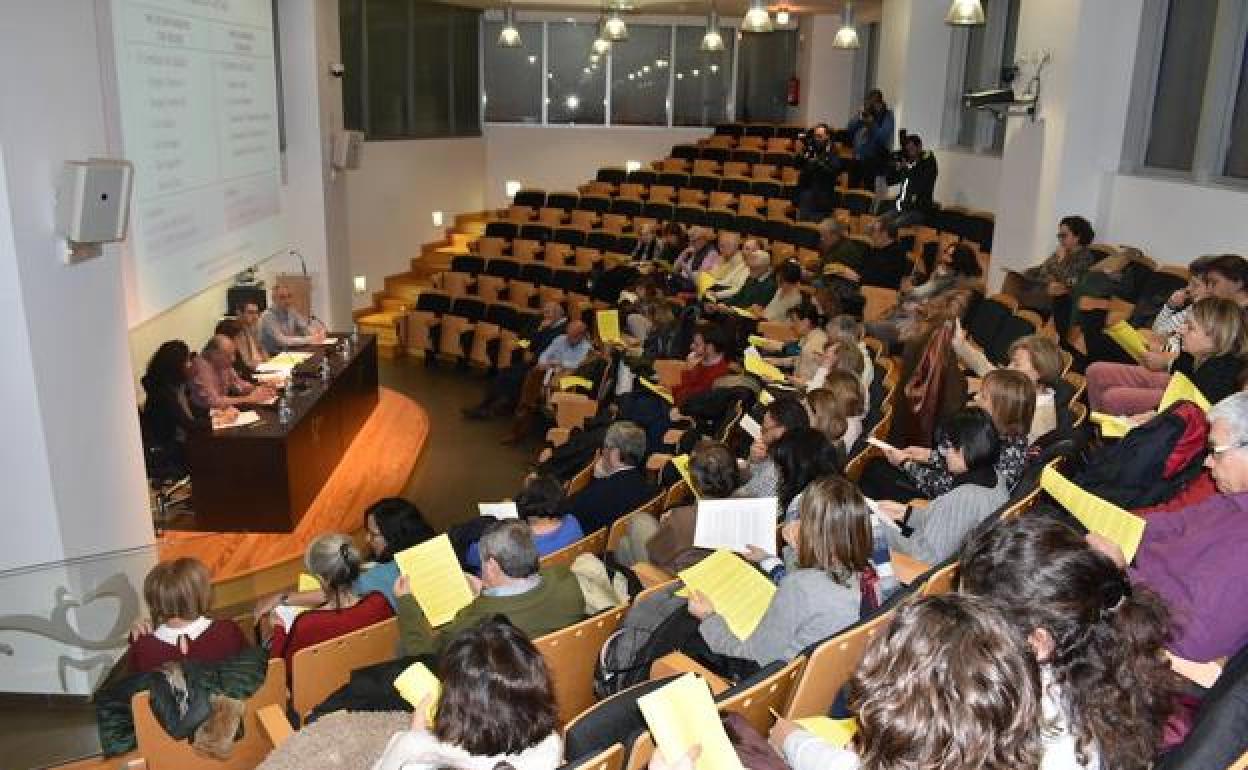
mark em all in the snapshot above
pixel 806 354
pixel 503 392
pixel 215 383
pixel 667 542
pixel 838 409
pixel 800 457
pixel 166 417
pixel 847 329
pixel 699 256
pixel 916 172
pixel 229 327
pixel 619 485
pixel 1036 287
pixel 830 586
pixel 837 248
pixel 538 505
pixel 281 326
pixel 335 563
pixel 843 355
pixel 496 708
pixel 730 274
pixel 249 347
pixel 1215 341
pixel 179 595
pixel 779 417
pixel 392 525
pixel 887 261
pixel 674 242
pixel 1107 687
pixel 788 291
pixel 931 386
pixel 564 354
pixel 957 268
pixel 951 685
pixel 648 247
pixel 709 359
pixel 759 286
pixel 1194 556
pixel 1036 356
pixel 934 532
pixel 537 601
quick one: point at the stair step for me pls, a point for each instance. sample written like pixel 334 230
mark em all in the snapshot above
pixel 394 305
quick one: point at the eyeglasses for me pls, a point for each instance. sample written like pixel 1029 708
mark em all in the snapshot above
pixel 1217 449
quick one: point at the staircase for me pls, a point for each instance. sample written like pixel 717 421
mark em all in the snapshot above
pixel 392 303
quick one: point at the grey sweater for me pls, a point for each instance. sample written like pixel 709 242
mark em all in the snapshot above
pixel 942 525
pixel 808 606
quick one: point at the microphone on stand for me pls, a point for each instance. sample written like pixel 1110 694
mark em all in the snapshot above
pixel 302 264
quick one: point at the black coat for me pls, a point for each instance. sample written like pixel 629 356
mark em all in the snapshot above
pixel 919 182
pixel 598 505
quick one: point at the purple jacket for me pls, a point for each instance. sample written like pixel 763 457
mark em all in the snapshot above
pixel 1195 558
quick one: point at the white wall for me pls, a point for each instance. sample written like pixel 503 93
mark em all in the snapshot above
pixel 968 178
pixel 913 64
pixel 392 196
pixel 1175 222
pixel 827 73
pixel 560 158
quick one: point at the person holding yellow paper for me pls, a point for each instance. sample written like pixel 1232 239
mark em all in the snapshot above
pixel 1215 341
pixel 758 288
pixel 491 663
pixel 832 580
pixel 564 354
pixel 511 584
pixel 699 256
pixel 1099 641
pixel 981 711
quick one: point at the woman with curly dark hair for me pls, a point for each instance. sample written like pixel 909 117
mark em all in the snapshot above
pixel 950 686
pixel 1099 640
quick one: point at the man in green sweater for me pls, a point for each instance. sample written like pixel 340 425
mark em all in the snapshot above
pixel 759 286
pixel 535 601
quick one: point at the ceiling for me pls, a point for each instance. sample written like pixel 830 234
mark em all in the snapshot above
pixel 864 10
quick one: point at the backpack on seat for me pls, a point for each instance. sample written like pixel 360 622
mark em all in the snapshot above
pixel 652 628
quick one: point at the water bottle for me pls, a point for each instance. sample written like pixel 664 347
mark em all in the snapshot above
pixel 283 411
pixel 324 368
pixel 355 332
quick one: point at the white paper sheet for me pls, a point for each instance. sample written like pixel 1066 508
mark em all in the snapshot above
pixel 737 523
pixel 751 426
pixel 875 442
pixel 243 418
pixel 499 510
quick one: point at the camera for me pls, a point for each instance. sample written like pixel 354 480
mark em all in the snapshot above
pixel 337 69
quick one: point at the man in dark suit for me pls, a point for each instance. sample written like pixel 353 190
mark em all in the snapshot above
pixel 504 390
pixel 619 484
pixel 887 262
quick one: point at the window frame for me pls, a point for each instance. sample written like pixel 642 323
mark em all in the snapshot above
pixel 992 60
pixel 1217 111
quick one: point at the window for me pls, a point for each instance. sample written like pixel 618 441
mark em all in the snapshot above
pixel 513 76
pixel 766 62
pixel 977 57
pixel 640 77
pixel 411 69
pixel 702 80
pixel 576 92
pixel 1189 106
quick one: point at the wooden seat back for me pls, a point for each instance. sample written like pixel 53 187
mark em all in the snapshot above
pixel 830 666
pixel 941 582
pixel 319 670
pixel 771 694
pixel 564 557
pixel 610 758
pixel 571 654
pixel 161 752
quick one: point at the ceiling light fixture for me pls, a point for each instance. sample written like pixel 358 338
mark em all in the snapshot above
pixel 782 16
pixel 616 29
pixel 712 40
pixel 509 36
pixel 965 13
pixel 847 35
pixel 757 19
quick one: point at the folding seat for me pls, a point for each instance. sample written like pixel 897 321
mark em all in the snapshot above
pixel 674 166
pixel 987 318
pixel 598 203
pixel 736 186
pixel 766 188
pixel 750 143
pixel 526 249
pixel 519 214
pixel 558 254
pixel 423 320
pixel 536 232
pixel 747 156
pixel 664 193
pixel 730 129
pixel 571 280
pixel 751 226
pixel 658 211
pixel 493 282
pixel 572 236
pixel 684 152
pixel 779 144
pixel 721 219
pixel 789 176
pixel 671 179
pixel 629 207
pixel 763 171
pixel 643 177
pixel 803 235
pixel 750 205
pixel 489 248
pixel 602 241
pixel 703 166
pixel 485 338
pixel 562 200
pixel 552 216
pixel 779 209
pixel 616 223
pixel 585 258
pixel 534 199
pixel 534 273
pixel 594 187
pixel 504 230
pixel 720 199
pixel 690 196
pixel 779 159
pixel 613 175
pixel 511 330
pixel 764 130
pixel 735 169
pixel 632 190
pixel 467 263
pixel 1010 329
pixel 704 182
pixel 857 201
pixel 585 219
pixel 720 154
pixel 789 132
pixel 724 143
pixel 455 332
pixel 690 215
pixel 625 245
pixel 521 293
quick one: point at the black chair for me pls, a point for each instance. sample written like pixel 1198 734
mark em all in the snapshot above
pixel 565 201
pixel 690 215
pixel 624 244
pixel 767 189
pixel 735 185
pixel 660 211
pixel 504 230
pixel 167 475
pixel 643 176
pixel 857 201
pixel 503 268
pixel 765 130
pixel 570 280
pixel 803 236
pixel 721 219
pixel 572 236
pixel 756 226
pixel 729 129
pixel 789 132
pixel 535 273
pixel 535 232
pixel 720 154
pixel 599 204
pixel 704 182
pixel 779 159
pixel 984 320
pixel 684 152
pixel 674 179
pixel 626 207
pixel 534 199
pixel 472 265
pixel 747 156
pixel 433 302
pixel 1010 329
pixel 604 242
pixel 612 175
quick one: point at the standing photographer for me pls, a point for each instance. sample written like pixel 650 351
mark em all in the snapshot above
pixel 915 170
pixel 819 165
pixel 872 134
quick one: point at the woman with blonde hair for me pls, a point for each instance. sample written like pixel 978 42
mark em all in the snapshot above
pixel 1037 356
pixel 1214 339
pixel 833 582
pixel 179 595
pixel 838 409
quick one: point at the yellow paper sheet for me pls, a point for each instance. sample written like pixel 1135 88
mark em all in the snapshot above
pixel 1111 425
pixel 1182 389
pixel 1123 528
pixel 661 391
pixel 575 382
pixel 759 342
pixel 769 372
pixel 416 682
pixel 740 593
pixel 838 732
pixel 704 282
pixel 765 398
pixel 437 581
pixel 523 344
pixel 682 466
pixel 741 311
pixel 682 715
pixel 609 326
pixel 307 583
pixel 1128 339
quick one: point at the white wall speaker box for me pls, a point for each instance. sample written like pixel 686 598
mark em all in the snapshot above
pixel 93 200
pixel 347 148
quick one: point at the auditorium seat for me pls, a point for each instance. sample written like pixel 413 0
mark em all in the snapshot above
pixel 319 670
pixel 829 666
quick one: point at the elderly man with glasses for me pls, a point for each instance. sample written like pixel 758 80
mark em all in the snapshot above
pixel 1194 557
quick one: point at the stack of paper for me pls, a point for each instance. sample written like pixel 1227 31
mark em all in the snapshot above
pixel 243 418
pixel 437 582
pixel 283 362
pixel 737 523
pixel 739 593
pixel 1128 339
pixel 416 683
pixel 1123 528
pixel 1180 388
pixel 499 510
pixel 609 326
pixel 838 732
pixel 682 715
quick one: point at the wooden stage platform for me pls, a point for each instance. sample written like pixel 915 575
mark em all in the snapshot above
pixel 378 464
